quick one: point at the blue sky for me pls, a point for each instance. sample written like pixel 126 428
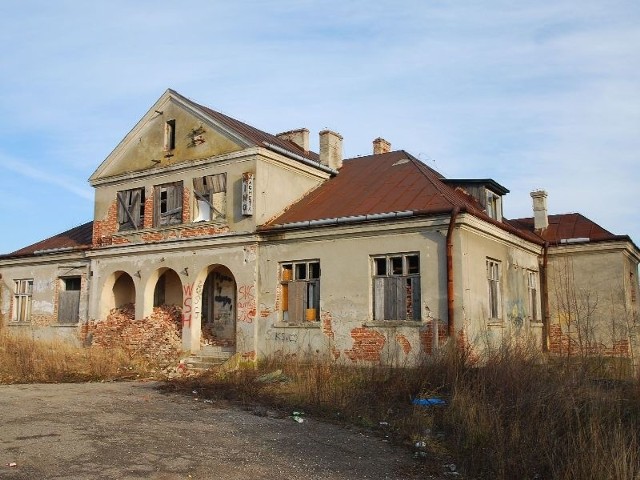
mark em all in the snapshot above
pixel 535 95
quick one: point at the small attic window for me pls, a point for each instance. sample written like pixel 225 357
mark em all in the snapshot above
pixel 169 135
pixel 494 205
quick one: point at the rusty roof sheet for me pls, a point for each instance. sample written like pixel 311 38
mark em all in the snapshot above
pixel 258 137
pixel 385 183
pixel 389 182
pixel 568 226
pixel 78 238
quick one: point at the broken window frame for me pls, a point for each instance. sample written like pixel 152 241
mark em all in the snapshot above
pixel 131 209
pixel 22 300
pixel 169 135
pixel 300 291
pixel 396 288
pixel 211 189
pixel 532 287
pixel 167 208
pixel 493 206
pixel 494 296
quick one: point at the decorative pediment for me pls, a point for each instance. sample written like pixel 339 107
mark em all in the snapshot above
pixel 174 130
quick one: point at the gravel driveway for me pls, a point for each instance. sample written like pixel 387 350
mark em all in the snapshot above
pixel 132 430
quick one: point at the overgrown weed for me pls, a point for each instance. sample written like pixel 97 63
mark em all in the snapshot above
pixel 513 415
pixel 27 360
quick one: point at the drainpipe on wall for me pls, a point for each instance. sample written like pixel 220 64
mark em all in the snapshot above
pixel 450 291
pixel 544 298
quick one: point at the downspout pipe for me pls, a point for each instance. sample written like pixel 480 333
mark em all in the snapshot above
pixel 544 297
pixel 450 290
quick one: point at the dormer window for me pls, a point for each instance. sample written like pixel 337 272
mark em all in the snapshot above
pixel 169 135
pixel 494 205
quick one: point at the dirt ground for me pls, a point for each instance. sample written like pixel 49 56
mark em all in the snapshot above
pixel 132 430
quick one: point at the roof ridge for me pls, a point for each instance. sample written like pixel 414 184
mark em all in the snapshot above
pixel 445 190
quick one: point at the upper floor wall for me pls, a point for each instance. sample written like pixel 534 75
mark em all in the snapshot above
pixel 182 172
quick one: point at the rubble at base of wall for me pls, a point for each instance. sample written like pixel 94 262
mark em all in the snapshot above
pixel 156 337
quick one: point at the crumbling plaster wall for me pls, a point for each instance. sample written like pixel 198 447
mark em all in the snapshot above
pixel 516 258
pixel 591 303
pixel 192 263
pixel 346 331
pixel 47 283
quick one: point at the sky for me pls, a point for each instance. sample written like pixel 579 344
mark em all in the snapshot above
pixel 533 94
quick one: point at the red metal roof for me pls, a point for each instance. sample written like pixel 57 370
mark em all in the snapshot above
pixel 389 182
pixel 258 137
pixel 568 226
pixel 386 183
pixel 78 238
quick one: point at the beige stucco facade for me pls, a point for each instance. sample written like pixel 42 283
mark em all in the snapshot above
pixel 182 217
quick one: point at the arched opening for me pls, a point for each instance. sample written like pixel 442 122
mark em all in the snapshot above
pixel 119 291
pixel 168 289
pixel 218 314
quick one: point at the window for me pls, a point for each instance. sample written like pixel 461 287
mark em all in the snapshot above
pixel 300 282
pixel 131 209
pixel 167 204
pixel 22 300
pixel 532 284
pixel 396 287
pixel 69 300
pixel 210 192
pixel 493 208
pixel 493 278
pixel 169 135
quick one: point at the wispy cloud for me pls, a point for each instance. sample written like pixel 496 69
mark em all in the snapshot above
pixel 46 177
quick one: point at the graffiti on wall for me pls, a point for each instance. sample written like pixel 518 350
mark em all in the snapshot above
pixel 246 303
pixel 187 303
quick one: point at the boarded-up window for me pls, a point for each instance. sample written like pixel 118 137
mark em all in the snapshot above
pixel 167 204
pixel 69 300
pixel 210 192
pixel 396 287
pixel 22 300
pixel 131 209
pixel 300 299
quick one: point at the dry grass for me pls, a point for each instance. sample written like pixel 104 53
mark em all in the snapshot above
pixel 513 417
pixel 25 360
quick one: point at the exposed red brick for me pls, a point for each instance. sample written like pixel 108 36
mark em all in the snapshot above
pixel 561 343
pixel 105 228
pixel 404 343
pixel 157 336
pixel 249 355
pixel 186 205
pixel 426 336
pixel 327 329
pixel 367 345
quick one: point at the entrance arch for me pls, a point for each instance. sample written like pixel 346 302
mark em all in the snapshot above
pixel 218 309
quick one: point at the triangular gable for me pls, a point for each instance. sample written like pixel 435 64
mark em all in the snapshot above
pixel 174 130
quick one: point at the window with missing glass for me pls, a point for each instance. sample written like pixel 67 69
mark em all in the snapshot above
pixel 300 291
pixel 210 192
pixel 493 283
pixel 23 291
pixel 532 287
pixel 396 287
pixel 167 202
pixel 131 209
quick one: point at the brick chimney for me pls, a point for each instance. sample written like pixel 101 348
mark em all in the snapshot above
pixel 540 215
pixel 300 137
pixel 380 145
pixel 331 149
